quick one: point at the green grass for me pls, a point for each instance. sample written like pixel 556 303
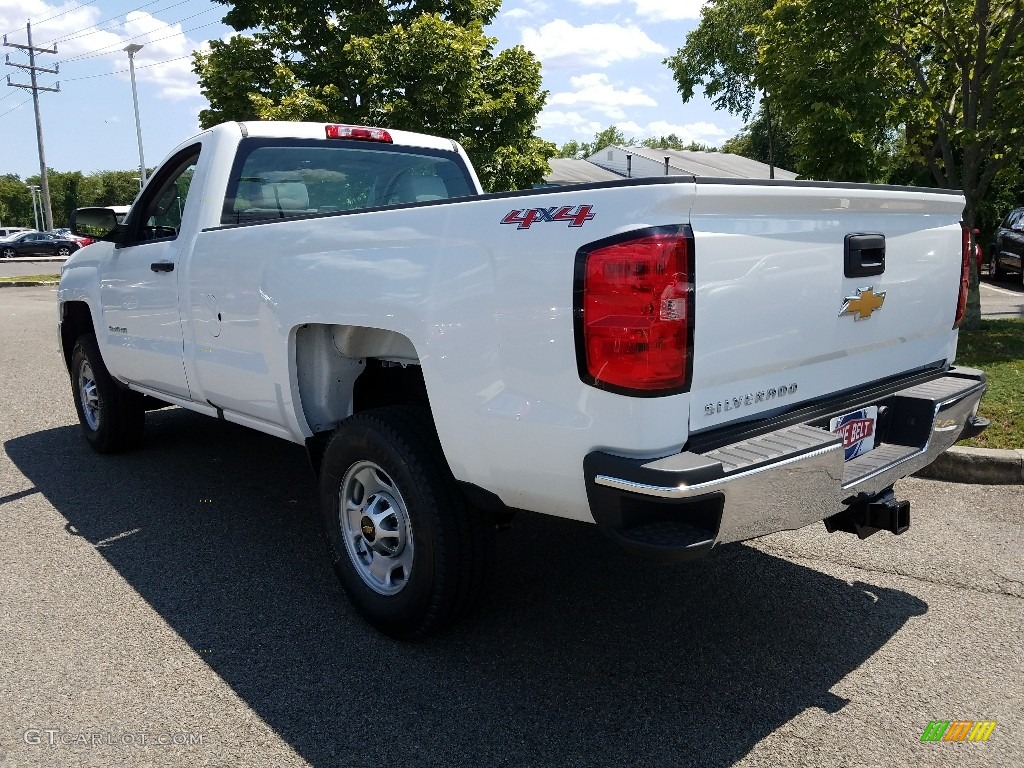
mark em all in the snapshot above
pixel 998 349
pixel 29 278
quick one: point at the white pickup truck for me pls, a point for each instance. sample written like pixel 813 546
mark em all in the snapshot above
pixel 683 361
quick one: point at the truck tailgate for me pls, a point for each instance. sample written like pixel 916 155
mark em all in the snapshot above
pixel 777 320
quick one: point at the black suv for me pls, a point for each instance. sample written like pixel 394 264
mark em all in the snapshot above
pixel 1008 246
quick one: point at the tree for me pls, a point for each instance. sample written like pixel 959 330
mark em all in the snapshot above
pixel 944 73
pixel 15 202
pixel 674 142
pixel 752 141
pixel 926 91
pixel 721 57
pixel 418 65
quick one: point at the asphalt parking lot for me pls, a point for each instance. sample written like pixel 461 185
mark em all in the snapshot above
pixel 181 593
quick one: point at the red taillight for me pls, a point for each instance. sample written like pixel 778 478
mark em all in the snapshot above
pixel 358 132
pixel 965 274
pixel 635 312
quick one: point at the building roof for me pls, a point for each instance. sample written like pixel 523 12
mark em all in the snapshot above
pixel 566 170
pixel 720 164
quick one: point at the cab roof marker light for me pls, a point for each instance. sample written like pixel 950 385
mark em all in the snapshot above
pixel 358 132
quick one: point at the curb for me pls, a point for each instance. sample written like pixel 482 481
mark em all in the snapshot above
pixel 27 283
pixel 983 466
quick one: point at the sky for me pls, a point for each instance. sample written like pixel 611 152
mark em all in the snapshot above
pixel 601 63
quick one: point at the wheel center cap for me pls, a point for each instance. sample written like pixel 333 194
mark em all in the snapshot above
pixel 368 528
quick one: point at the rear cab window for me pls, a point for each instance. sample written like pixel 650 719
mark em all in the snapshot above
pixel 276 179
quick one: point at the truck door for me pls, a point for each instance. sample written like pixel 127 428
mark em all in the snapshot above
pixel 139 283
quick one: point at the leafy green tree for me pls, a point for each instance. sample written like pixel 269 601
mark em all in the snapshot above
pixel 925 91
pixel 944 73
pixel 720 56
pixel 752 142
pixel 674 142
pixel 15 202
pixel 418 65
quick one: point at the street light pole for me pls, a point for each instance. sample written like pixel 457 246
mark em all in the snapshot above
pixel 35 210
pixel 132 50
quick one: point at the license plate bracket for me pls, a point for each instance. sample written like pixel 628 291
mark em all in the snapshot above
pixel 857 430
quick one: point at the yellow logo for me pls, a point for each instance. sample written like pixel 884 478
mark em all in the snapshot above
pixel 863 304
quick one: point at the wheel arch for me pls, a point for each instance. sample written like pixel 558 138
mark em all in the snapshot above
pixel 75 319
pixel 341 370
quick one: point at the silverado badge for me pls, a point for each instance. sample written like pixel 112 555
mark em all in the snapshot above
pixel 863 304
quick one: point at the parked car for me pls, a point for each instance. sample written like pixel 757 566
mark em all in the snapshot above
pixel 10 231
pixel 67 233
pixel 1008 247
pixel 37 244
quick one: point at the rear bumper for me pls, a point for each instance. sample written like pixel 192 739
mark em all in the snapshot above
pixel 680 506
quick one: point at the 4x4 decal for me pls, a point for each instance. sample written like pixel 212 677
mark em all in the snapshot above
pixel 576 215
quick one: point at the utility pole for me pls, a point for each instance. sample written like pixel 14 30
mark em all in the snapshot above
pixel 44 181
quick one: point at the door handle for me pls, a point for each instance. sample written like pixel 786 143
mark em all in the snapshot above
pixel 864 255
pixel 162 266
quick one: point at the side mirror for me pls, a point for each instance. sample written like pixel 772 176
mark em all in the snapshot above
pixel 97 223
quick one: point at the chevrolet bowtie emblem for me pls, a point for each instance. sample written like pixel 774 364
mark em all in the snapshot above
pixel 863 304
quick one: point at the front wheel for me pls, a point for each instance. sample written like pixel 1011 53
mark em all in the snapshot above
pixel 411 555
pixel 112 418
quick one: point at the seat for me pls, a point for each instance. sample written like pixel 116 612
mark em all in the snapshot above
pixel 420 189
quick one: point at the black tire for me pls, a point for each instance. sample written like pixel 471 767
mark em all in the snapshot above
pixel 112 417
pixel 452 544
pixel 8 253
pixel 64 251
pixel 995 269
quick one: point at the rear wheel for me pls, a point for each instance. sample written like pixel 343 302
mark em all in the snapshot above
pixel 411 555
pixel 112 418
pixel 8 253
pixel 995 270
pixel 64 251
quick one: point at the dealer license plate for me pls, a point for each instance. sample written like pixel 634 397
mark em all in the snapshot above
pixel 857 430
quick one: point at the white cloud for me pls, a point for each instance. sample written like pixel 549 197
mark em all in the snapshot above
pixel 704 132
pixel 669 10
pixel 594 91
pixel 655 10
pixel 81 49
pixel 577 123
pixel 525 9
pixel 559 43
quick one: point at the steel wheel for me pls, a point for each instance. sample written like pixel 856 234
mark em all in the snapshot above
pixel 89 396
pixel 409 552
pixel 112 417
pixel 375 527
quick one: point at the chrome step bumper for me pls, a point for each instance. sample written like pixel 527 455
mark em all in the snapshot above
pixel 780 480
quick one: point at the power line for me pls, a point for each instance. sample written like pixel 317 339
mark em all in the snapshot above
pixel 112 21
pixel 12 109
pixel 122 71
pixel 55 16
pixel 116 46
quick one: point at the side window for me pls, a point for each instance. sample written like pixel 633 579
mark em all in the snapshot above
pixel 160 208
